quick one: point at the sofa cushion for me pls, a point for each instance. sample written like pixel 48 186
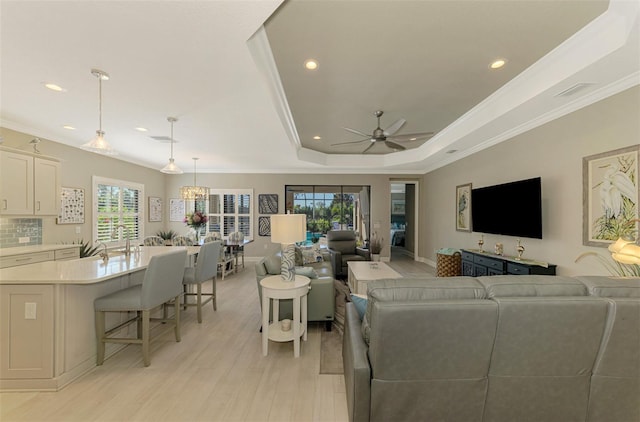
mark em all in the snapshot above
pixel 531 286
pixel 603 286
pixel 307 272
pixel 272 263
pixel 419 289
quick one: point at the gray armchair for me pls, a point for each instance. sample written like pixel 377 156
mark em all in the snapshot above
pixel 341 244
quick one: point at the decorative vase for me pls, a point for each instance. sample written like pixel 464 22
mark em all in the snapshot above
pixel 375 257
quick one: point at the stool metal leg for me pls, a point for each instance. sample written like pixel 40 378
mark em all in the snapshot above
pixel 176 329
pixel 100 338
pixel 145 336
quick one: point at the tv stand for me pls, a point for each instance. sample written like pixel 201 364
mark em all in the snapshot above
pixel 476 263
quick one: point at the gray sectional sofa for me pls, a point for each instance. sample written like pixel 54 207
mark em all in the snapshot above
pixel 501 348
pixel 321 299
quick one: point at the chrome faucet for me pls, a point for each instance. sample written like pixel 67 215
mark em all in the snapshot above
pixel 104 255
pixel 127 248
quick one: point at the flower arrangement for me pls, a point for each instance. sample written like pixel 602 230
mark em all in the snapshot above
pixel 196 220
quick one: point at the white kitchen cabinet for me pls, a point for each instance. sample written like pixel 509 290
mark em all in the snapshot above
pixel 46 187
pixel 29 185
pixel 16 183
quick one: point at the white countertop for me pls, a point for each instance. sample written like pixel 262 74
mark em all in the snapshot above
pixel 20 250
pixel 86 270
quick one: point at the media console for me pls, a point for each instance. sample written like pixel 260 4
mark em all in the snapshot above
pixel 476 263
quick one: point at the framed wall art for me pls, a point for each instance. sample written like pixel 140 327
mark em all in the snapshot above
pixel 610 192
pixel 71 206
pixel 463 208
pixel 264 226
pixel 155 209
pixel 397 206
pixel 176 209
pixel 268 203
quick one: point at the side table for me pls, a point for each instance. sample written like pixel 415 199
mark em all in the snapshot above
pixel 275 288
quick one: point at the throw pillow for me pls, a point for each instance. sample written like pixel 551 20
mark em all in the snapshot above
pixel 307 272
pixel 299 260
pixel 360 301
pixel 310 256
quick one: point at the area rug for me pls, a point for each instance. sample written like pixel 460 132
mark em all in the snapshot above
pixel 331 352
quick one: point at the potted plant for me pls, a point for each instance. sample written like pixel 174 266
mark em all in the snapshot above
pixel 375 246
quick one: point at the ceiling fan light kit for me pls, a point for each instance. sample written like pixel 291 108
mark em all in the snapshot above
pixel 386 136
pixel 98 144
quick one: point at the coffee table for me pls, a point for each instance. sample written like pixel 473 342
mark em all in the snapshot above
pixel 362 272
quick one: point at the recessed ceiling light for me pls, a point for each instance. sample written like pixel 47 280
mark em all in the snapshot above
pixel 54 87
pixel 412 139
pixel 451 151
pixel 69 127
pixel 141 129
pixel 498 63
pixel 311 64
pixel 317 138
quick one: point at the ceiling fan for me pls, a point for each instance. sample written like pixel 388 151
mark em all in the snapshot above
pixel 387 135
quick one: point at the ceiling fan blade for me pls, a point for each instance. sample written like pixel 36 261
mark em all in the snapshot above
pixel 394 127
pixel 369 147
pixel 395 146
pixel 350 142
pixel 411 137
pixel 357 132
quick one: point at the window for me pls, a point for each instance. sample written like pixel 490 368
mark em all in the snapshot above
pixel 330 207
pixel 115 203
pixel 231 211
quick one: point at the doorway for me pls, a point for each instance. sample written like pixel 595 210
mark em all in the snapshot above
pixel 404 224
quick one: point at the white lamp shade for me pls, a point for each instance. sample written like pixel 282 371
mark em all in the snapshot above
pixel 100 145
pixel 288 228
pixel 171 168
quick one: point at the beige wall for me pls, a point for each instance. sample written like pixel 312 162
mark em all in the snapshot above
pixel 275 183
pixel 77 169
pixel 554 152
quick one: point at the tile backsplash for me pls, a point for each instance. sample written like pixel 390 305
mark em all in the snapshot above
pixel 12 230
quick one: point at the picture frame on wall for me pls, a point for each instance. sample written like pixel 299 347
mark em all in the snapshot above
pixel 176 209
pixel 268 203
pixel 610 192
pixel 264 226
pixel 463 208
pixel 155 209
pixel 71 206
pixel 397 206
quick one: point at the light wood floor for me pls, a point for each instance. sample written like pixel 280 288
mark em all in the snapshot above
pixel 217 373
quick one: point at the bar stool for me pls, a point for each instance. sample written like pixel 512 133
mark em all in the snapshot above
pixel 162 283
pixel 206 269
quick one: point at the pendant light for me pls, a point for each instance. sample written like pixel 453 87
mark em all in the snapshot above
pixel 99 144
pixel 171 168
pixel 194 192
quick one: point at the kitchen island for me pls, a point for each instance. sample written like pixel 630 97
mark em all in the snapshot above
pixel 47 334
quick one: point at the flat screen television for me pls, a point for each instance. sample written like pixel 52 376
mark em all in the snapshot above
pixel 511 209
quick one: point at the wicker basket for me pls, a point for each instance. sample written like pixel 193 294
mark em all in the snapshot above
pixel 449 265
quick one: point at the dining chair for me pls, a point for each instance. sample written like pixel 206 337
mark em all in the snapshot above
pixel 162 283
pixel 238 249
pixel 225 261
pixel 206 269
pixel 182 241
pixel 153 241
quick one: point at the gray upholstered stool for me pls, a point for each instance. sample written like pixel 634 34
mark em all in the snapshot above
pixel 162 282
pixel 206 269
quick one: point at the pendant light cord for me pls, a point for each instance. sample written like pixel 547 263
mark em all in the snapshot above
pixel 100 102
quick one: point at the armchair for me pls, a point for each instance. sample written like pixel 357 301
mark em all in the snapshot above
pixel 341 245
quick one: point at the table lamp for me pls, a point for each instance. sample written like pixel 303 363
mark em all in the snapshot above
pixel 626 251
pixel 288 229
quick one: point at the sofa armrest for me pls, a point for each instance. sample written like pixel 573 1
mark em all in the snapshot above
pixel 357 372
pixel 336 261
pixel 364 253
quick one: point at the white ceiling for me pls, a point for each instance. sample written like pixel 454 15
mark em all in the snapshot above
pixel 245 103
